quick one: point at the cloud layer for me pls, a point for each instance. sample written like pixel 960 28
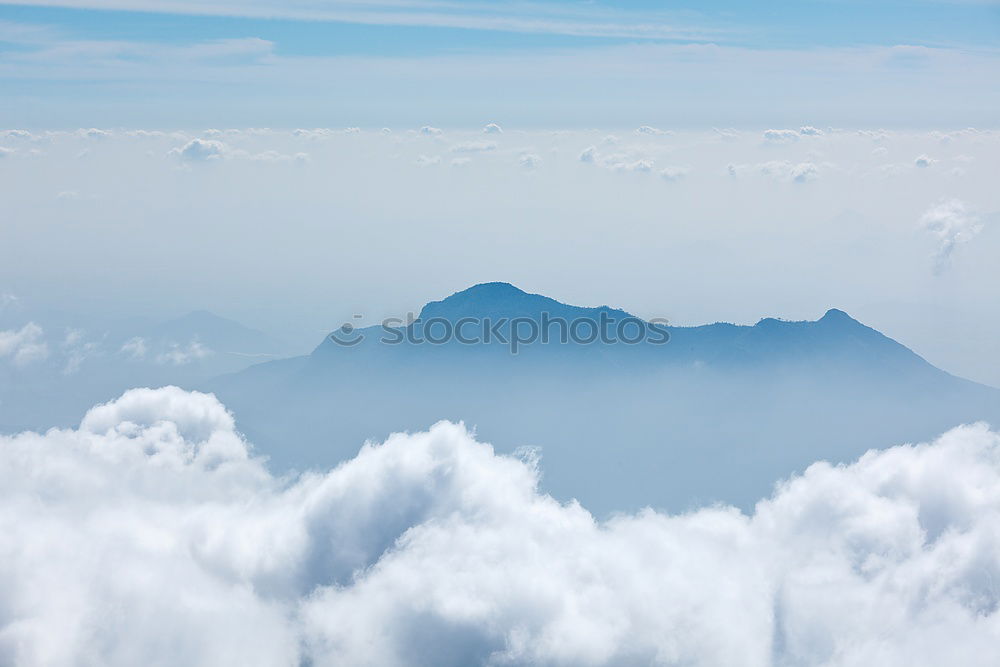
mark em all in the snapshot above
pixel 152 535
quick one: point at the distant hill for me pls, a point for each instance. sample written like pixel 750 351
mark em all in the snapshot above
pixel 717 413
pixel 223 336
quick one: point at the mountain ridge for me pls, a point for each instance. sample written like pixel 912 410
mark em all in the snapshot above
pixel 836 336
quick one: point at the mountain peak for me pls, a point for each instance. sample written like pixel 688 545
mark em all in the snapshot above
pixel 500 299
pixel 837 316
pixel 491 290
pixel 834 317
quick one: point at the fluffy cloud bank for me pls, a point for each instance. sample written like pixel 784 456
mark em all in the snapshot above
pixel 152 535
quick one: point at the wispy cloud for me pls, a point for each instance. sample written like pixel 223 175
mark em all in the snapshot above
pixel 24 345
pixel 574 84
pixel 582 19
pixel 179 355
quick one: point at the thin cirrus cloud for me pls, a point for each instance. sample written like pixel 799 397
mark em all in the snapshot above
pixel 541 17
pixel 432 549
pixel 550 89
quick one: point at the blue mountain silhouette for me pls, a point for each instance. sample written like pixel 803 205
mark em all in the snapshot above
pixel 718 413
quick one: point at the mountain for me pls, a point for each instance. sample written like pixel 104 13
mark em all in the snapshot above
pixel 223 336
pixel 714 413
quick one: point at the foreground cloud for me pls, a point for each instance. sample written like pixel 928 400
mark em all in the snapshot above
pixel 151 535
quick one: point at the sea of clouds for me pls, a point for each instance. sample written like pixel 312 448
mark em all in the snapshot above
pixel 152 534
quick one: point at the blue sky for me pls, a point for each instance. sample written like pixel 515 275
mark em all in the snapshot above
pixel 181 62
pixel 416 28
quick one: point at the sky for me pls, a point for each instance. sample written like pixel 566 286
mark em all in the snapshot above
pixel 181 64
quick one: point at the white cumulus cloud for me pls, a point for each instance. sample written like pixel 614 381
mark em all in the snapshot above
pixel 952 224
pixel 200 150
pixel 151 535
pixel 804 172
pixel 17 134
pixel 650 130
pixel 621 163
pixel 529 160
pixel 93 133
pixel 24 345
pixel 780 136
